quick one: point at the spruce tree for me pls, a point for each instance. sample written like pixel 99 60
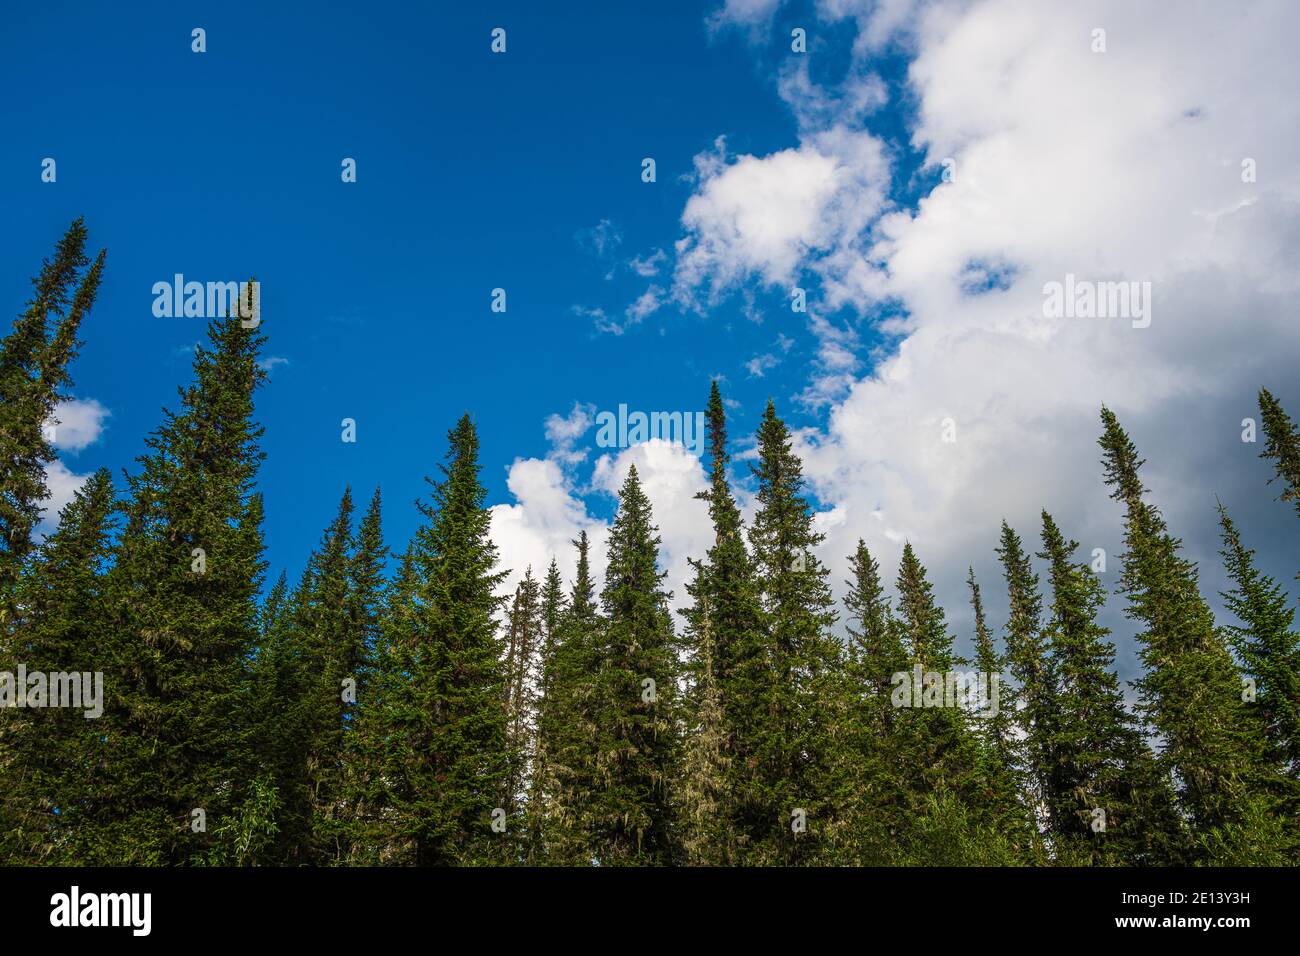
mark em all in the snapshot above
pixel 34 359
pixel 542 793
pixel 942 752
pixel 569 722
pixel 1282 446
pixel 995 725
pixel 638 707
pixel 727 664
pixel 794 700
pixel 1034 696
pixel 1112 805
pixel 524 639
pixel 183 594
pixel 873 776
pixel 1191 692
pixel 1267 645
pixel 376 776
pixel 54 762
pixel 445 724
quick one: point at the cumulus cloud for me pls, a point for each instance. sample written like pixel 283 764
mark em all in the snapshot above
pixel 76 423
pixel 1123 165
pixel 549 512
pixel 768 218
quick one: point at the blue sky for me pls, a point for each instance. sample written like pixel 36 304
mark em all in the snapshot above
pixel 475 171
pixel 523 171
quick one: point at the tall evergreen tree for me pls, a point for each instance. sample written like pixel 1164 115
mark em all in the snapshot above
pixel 55 754
pixel 543 787
pixel 727 663
pixel 183 593
pixel 34 359
pixel 445 725
pixel 1268 646
pixel 800 693
pixel 873 776
pixel 995 725
pixel 942 750
pixel 1111 802
pixel 524 638
pixel 639 710
pixel 1034 697
pixel 1191 692
pixel 1282 445
pixel 569 722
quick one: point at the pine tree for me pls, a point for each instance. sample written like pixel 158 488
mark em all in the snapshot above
pixel 941 750
pixel 795 704
pixel 569 722
pixel 1191 692
pixel 376 781
pixel 277 686
pixel 872 775
pixel 1282 445
pixel 638 707
pixel 1267 645
pixel 34 359
pixel 55 755
pixel 995 726
pixel 524 638
pixel 727 660
pixel 1034 698
pixel 542 794
pixel 445 724
pixel 1111 803
pixel 183 593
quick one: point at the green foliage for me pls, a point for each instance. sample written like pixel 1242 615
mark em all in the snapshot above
pixel 419 717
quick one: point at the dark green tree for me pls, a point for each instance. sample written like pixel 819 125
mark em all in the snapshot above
pixel 55 757
pixel 1191 692
pixel 638 706
pixel 727 660
pixel 183 593
pixel 542 790
pixel 34 359
pixel 1268 646
pixel 795 705
pixel 1033 698
pixel 445 722
pixel 1112 805
pixel 1282 446
pixel 568 723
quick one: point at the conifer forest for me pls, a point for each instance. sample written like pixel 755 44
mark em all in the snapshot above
pixel 396 705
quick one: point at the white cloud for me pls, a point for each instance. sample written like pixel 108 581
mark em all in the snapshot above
pixel 1117 165
pixel 77 423
pixel 646 305
pixel 769 218
pixel 1124 164
pixel 549 512
pixel 760 364
pixel 600 239
pixel 563 431
pixel 648 266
